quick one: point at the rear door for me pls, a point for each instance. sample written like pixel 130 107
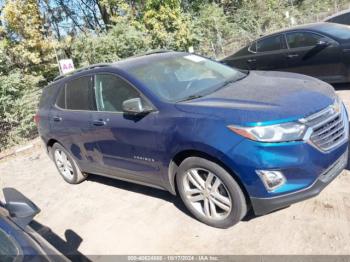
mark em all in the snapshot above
pixel 243 59
pixel 271 53
pixel 70 120
pixel 127 143
pixel 315 55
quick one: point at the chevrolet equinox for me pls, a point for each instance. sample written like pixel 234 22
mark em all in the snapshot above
pixel 225 140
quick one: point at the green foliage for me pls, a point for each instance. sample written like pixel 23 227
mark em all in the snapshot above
pixel 212 29
pixel 5 59
pixel 120 42
pixel 29 47
pixel 167 24
pixel 18 101
pixel 269 17
pixel 109 30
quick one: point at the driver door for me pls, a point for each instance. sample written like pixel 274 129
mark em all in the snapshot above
pixel 315 55
pixel 127 143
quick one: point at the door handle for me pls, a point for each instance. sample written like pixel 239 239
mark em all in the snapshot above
pixel 292 55
pixel 57 118
pixel 251 60
pixel 99 123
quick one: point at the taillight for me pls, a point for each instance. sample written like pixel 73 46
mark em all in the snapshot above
pixel 37 119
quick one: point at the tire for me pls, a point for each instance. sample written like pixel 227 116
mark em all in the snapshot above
pixel 70 171
pixel 219 202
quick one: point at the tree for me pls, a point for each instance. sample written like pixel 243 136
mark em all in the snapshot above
pixel 120 41
pixel 213 30
pixel 18 98
pixel 168 26
pixel 27 41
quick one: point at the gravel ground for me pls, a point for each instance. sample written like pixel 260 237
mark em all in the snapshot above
pixel 105 216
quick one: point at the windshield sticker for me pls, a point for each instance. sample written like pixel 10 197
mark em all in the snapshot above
pixel 194 58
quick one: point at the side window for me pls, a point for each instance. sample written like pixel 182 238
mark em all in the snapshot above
pixel 61 98
pixel 302 39
pixel 272 43
pixel 79 94
pixel 252 48
pixel 46 96
pixel 247 50
pixel 111 91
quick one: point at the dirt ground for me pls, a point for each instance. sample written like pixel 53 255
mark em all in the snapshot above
pixel 105 216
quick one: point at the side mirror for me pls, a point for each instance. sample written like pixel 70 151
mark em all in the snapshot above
pixel 21 209
pixel 323 43
pixel 134 106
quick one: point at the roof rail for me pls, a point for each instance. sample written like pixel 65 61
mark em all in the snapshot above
pixel 151 52
pixel 82 69
pixel 155 51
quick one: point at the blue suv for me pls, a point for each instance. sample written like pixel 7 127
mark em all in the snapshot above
pixel 225 140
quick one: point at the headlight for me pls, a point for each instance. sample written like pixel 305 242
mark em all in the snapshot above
pixel 290 131
pixel 337 104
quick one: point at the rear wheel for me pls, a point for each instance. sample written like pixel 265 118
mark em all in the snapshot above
pixel 210 193
pixel 66 165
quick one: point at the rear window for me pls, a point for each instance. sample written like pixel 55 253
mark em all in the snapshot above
pixel 46 96
pixel 61 98
pixel 247 50
pixel 252 47
pixel 77 95
pixel 272 43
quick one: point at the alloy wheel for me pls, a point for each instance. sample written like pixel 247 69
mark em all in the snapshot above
pixel 207 193
pixel 63 164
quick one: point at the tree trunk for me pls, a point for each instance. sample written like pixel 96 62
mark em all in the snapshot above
pixel 104 14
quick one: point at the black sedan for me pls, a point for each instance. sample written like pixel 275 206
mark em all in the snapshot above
pixel 320 50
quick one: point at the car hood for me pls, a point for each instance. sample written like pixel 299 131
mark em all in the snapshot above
pixel 264 96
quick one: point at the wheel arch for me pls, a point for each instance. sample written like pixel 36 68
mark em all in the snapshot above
pixel 182 155
pixel 49 144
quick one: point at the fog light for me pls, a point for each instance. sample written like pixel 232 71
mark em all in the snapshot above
pixel 272 179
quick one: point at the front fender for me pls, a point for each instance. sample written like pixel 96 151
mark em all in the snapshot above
pixel 199 150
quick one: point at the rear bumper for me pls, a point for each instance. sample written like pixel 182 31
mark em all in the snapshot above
pixel 266 205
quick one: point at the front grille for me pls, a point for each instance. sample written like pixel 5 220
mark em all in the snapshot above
pixel 329 128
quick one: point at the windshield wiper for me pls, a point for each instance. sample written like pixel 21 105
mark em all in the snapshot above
pixel 191 97
pixel 230 81
pixel 227 82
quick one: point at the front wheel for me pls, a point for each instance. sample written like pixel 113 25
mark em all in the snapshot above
pixel 210 193
pixel 66 165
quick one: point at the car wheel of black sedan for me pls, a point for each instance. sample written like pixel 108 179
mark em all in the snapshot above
pixel 66 165
pixel 210 193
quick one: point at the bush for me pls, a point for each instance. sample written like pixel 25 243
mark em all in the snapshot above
pixel 212 30
pixel 19 95
pixel 120 42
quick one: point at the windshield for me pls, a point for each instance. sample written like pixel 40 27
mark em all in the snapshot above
pixel 338 31
pixel 184 77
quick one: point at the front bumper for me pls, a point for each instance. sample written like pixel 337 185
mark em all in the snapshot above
pixel 265 205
